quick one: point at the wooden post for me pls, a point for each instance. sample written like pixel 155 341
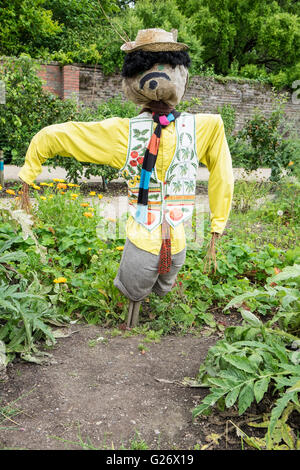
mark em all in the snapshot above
pixel 1 169
pixel 133 314
pixel 104 184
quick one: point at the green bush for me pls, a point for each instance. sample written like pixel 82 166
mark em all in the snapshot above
pixel 254 71
pixel 28 107
pixel 256 358
pixel 267 146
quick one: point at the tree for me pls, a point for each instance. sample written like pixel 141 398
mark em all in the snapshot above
pixel 241 32
pixel 25 24
pixel 147 14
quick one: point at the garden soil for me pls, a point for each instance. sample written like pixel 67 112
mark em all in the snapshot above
pixel 106 392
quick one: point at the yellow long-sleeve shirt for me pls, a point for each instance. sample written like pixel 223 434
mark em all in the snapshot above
pixel 106 142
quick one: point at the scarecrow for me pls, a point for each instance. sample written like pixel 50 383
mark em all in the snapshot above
pixel 158 153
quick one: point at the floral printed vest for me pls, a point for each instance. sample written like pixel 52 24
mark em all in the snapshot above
pixel 176 195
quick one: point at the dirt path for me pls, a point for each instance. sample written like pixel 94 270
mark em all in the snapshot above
pixel 104 391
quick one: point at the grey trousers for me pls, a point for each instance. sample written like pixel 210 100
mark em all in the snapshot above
pixel 138 273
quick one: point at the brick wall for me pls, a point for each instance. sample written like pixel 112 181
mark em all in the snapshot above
pixel 243 96
pixel 70 81
pixel 91 86
pixel 52 75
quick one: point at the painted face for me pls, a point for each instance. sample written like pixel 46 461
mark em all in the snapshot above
pixel 160 83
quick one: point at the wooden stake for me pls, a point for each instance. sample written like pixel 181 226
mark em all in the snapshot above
pixel 24 200
pixel 133 314
pixel 211 254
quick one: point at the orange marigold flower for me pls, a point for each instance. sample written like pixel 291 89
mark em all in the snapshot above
pixel 10 191
pixel 291 163
pixel 60 280
pixel 88 214
pixel 84 204
pixel 62 186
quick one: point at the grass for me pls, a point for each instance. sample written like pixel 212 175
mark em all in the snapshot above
pixel 135 443
pixel 9 412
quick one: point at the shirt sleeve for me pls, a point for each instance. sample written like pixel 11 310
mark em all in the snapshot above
pixel 103 142
pixel 213 152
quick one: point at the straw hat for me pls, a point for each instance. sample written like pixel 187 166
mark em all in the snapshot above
pixel 154 40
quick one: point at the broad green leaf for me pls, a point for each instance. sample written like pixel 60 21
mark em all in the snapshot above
pixel 280 352
pixel 277 411
pixel 255 358
pixel 295 358
pixel 260 388
pixel 246 397
pixel 254 345
pixel 289 368
pixel 40 325
pixel 289 272
pixel 200 409
pixel 288 299
pixel 238 300
pixel 218 382
pixel 250 318
pixel 241 363
pixel 207 402
pixel 14 256
pixel 294 388
pixel 232 397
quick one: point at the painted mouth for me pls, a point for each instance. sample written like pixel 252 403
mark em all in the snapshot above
pixel 149 76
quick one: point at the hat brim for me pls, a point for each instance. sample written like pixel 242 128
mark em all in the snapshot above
pixel 154 47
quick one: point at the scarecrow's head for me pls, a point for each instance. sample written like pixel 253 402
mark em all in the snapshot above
pixel 155 68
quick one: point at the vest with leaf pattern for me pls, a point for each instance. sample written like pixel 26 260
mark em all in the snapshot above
pixel 175 196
